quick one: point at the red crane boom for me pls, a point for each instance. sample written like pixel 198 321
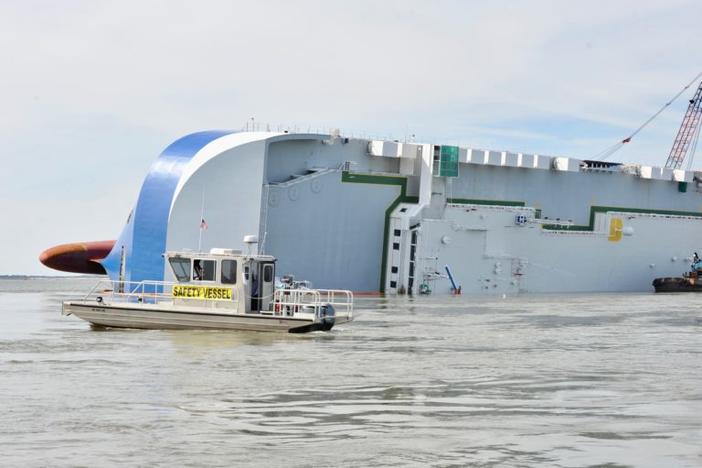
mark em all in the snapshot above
pixel 688 134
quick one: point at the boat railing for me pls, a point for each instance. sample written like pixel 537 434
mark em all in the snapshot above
pixel 298 300
pixel 148 292
pixel 287 301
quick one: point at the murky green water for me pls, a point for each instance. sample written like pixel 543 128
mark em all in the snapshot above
pixel 557 380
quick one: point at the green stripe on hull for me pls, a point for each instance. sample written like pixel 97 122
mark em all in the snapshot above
pixel 401 182
pixel 401 198
pixel 606 209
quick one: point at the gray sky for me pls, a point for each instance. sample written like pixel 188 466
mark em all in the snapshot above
pixel 92 91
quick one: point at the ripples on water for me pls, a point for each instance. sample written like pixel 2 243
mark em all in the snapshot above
pixel 558 380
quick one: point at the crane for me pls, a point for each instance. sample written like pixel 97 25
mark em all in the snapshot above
pixel 686 140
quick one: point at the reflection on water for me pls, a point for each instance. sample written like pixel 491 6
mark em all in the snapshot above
pixel 223 339
pixel 522 381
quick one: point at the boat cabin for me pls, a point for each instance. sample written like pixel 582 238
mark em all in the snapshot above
pixel 227 278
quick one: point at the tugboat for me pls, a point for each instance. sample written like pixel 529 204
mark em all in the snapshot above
pixel 221 289
pixel 689 281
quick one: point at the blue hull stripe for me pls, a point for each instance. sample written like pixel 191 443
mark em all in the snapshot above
pixel 144 237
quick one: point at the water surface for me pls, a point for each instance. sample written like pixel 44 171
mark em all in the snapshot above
pixel 557 380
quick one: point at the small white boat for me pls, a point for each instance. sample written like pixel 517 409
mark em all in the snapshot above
pixel 222 289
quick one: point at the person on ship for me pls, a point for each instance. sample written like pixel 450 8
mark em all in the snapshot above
pixel 198 272
pixel 696 263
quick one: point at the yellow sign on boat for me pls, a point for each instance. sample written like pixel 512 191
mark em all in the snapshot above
pixel 202 292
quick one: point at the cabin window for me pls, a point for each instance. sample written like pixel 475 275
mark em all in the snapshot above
pixel 268 273
pixel 229 271
pixel 181 268
pixel 203 270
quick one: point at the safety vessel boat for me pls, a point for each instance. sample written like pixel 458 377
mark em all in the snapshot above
pixel 220 289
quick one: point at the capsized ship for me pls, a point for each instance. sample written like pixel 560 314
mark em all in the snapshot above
pixel 389 216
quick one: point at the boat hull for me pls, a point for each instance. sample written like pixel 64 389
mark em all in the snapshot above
pixel 676 284
pixel 127 316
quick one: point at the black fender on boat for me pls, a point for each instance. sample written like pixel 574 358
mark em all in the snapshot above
pixel 317 326
pixel 327 317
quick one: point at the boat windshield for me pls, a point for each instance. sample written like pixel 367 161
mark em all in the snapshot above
pixel 181 268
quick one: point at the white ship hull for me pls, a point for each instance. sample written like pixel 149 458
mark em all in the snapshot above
pixel 384 216
pixel 145 317
pixel 488 253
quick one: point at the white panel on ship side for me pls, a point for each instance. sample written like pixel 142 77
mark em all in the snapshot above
pixel 488 253
pixel 375 148
pixel 509 159
pixel 408 150
pixel 646 172
pixel 391 149
pixel 682 176
pixel 526 160
pixel 657 173
pixel 388 149
pixel 475 156
pixel 407 166
pixel 542 162
pixel 493 158
pixel 566 164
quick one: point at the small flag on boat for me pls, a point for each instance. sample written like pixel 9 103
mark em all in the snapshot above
pixel 203 224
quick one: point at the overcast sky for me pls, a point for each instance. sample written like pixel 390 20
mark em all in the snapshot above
pixel 91 91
